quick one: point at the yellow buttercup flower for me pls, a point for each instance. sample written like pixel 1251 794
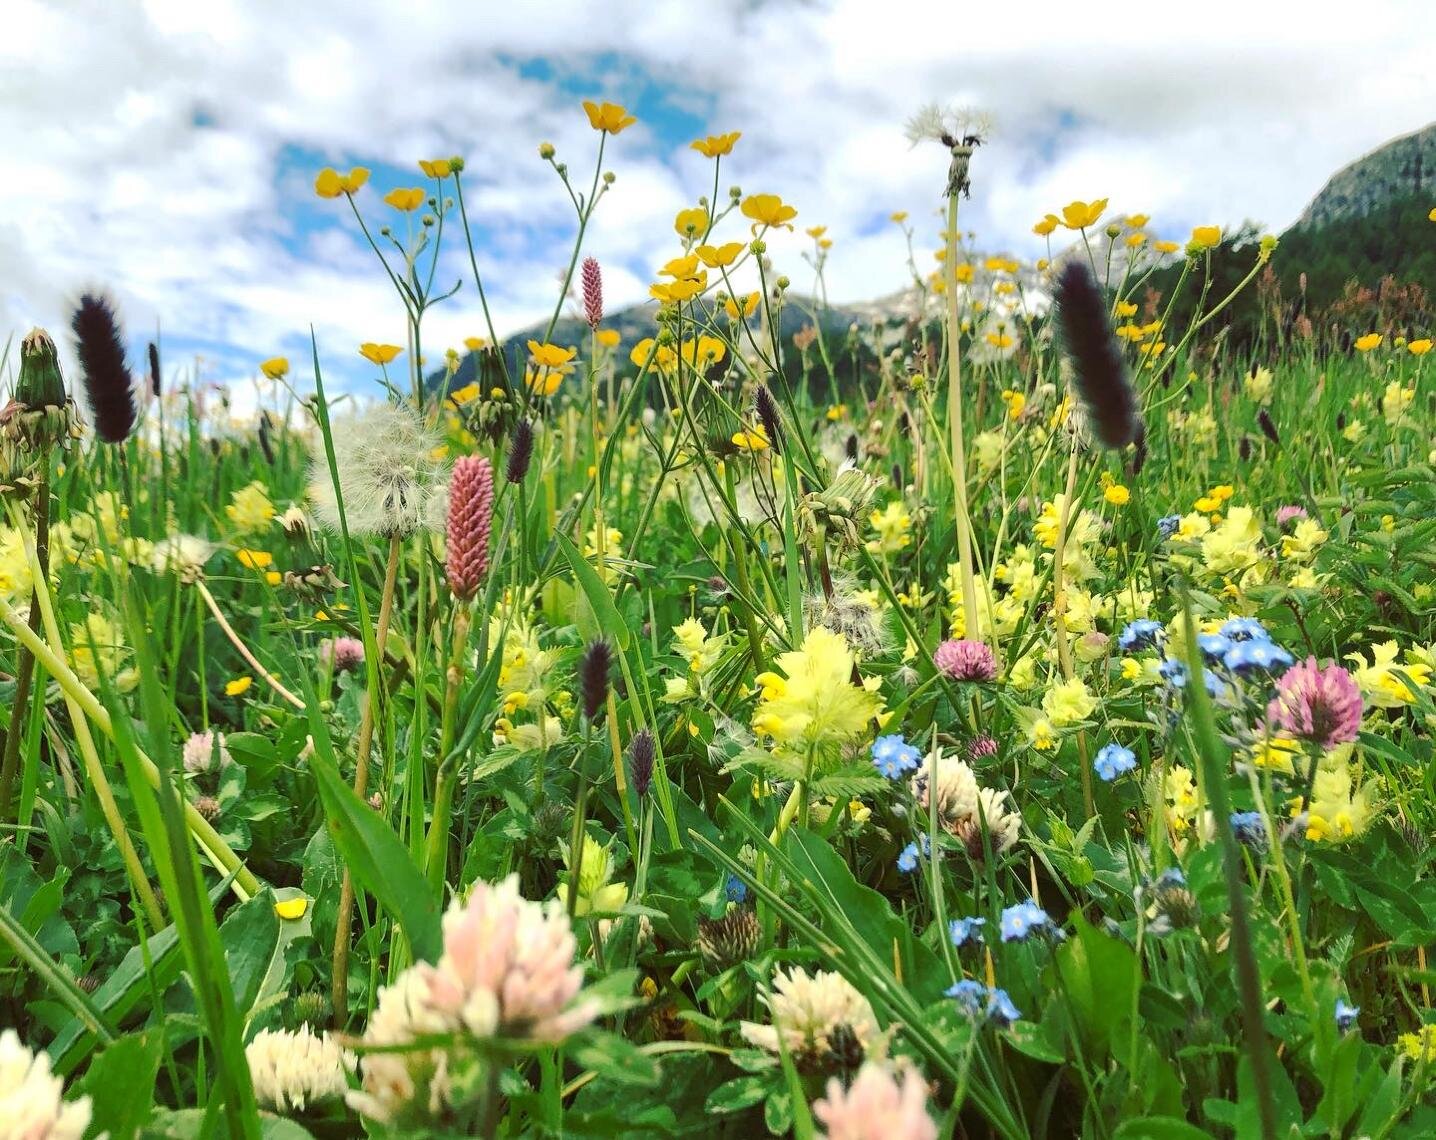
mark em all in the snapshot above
pixel 436 168
pixel 1419 347
pixel 254 559
pixel 238 686
pixel 1368 342
pixel 1048 223
pixel 751 439
pixel 1204 237
pixel 1126 308
pixel 741 308
pixel 608 117
pixel 715 145
pixel 717 257
pixel 330 183
pixel 379 353
pixel 768 210
pixel 291 908
pixel 1080 215
pixel 406 200
pixel 273 577
pixel 691 222
pixel 1117 495
pixel 1138 221
pixel 609 338
pixel 898 216
pixel 550 355
pixel 684 289
pixel 1166 246
pixel 278 366
pixel 474 343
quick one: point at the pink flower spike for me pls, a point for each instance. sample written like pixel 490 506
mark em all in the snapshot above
pixel 592 278
pixel 471 511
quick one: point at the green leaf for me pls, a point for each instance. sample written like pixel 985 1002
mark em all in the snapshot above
pixel 379 862
pixel 616 1058
pixel 1158 1128
pixel 1101 976
pixel 610 623
pixel 120 1083
pixel 740 1093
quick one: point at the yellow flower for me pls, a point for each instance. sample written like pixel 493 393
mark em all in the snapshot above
pixel 465 395
pixel 1258 384
pixel 836 412
pixel 1368 342
pixel 680 267
pixel 474 343
pixel 1080 215
pixel 379 353
pixel 1204 237
pixel 751 439
pixel 1068 702
pixel 740 308
pixel 768 210
pixel 238 685
pixel 550 355
pixel 1166 246
pixel 1384 682
pixel 815 232
pixel 691 222
pixel 684 289
pixel 898 216
pixel 405 200
pixel 1126 309
pixel 254 559
pixel 1276 755
pixel 330 183
pixel 437 167
pixel 1138 221
pixel 1117 495
pixel 1135 240
pixel 277 366
pixel 1048 223
pixel 250 509
pixel 715 145
pixel 1432 215
pixel 609 117
pixel 1419 347
pixel 811 707
pixel 609 338
pixel 291 908
pixel 98 654
pixel 273 577
pixel 715 257
pixel 892 524
pixel 1421 1045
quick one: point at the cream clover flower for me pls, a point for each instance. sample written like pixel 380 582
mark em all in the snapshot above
pixel 32 1104
pixel 295 1070
pixel 809 1010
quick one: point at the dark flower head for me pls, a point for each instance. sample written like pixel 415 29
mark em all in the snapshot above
pixel 593 677
pixel 100 348
pixel 521 451
pixel 1097 365
pixel 641 754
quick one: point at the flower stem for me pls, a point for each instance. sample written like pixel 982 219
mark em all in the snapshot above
pixel 244 652
pixel 340 982
pixel 25 663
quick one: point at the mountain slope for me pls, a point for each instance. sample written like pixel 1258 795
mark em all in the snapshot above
pixel 1403 168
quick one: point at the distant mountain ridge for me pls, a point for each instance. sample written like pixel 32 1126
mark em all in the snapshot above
pixel 1403 168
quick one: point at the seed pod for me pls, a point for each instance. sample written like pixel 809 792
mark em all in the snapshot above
pixel 40 383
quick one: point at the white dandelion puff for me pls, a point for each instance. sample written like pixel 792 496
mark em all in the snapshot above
pixel 390 481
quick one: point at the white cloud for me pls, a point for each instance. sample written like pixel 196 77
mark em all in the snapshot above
pixel 145 143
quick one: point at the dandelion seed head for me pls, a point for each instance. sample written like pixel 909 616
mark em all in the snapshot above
pixel 389 480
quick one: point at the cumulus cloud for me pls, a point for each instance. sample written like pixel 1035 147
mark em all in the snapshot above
pixel 167 148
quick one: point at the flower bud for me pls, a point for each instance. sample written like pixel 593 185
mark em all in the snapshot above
pixel 40 383
pixel 546 150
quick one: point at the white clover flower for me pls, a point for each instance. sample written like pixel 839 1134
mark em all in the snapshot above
pixel 955 785
pixel 184 555
pixel 808 1010
pixel 389 478
pixel 876 1107
pixel 507 970
pixel 296 1070
pixel 32 1106
pixel 202 755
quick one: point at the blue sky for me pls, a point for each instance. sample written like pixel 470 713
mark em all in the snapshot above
pixel 167 150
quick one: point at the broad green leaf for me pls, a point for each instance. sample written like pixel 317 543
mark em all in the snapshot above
pixel 120 1083
pixel 610 623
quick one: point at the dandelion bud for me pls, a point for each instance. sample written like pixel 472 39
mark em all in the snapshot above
pixel 767 410
pixel 100 347
pixel 1101 375
pixel 40 383
pixel 521 451
pixel 471 511
pixel 155 370
pixel 782 283
pixel 593 677
pixel 592 278
pixel 1268 426
pixel 640 761
pixel 546 150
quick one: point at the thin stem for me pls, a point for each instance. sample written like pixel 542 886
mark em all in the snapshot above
pixel 244 652
pixel 340 983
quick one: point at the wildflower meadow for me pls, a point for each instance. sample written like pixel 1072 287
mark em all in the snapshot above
pixel 1010 716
